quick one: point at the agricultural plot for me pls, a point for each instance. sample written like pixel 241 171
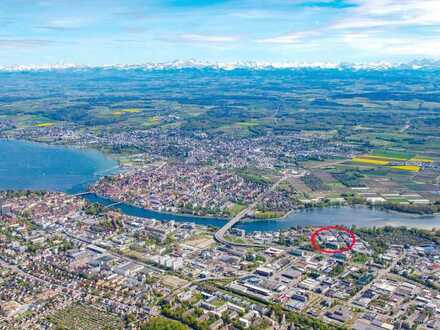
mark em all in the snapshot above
pixel 348 177
pixel 314 182
pixel 81 317
pixel 392 155
pixel 397 161
pixel 424 183
pixel 125 111
pixel 329 182
pixel 409 168
pixel 385 184
pixel 299 185
pixel 44 125
pixel 370 161
pixel 257 123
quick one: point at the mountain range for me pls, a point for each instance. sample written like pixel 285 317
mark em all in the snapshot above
pixel 249 65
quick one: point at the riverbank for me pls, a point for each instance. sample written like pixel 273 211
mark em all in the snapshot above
pixel 36 166
pixel 106 164
pixel 360 216
pixel 117 201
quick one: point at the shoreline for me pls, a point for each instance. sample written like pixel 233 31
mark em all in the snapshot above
pixel 118 168
pixel 76 147
pixel 279 219
pixel 211 217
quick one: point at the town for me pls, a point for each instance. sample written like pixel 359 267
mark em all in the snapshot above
pixel 68 263
pixel 220 165
pixel 198 187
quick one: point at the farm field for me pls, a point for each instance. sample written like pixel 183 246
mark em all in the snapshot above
pixel 394 160
pixel 346 129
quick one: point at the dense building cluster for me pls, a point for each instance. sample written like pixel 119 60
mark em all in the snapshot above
pixel 181 188
pixel 196 148
pixel 61 256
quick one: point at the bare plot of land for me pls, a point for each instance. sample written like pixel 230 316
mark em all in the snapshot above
pixel 200 242
pixel 173 282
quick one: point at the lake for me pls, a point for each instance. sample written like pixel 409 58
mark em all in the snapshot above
pixel 36 166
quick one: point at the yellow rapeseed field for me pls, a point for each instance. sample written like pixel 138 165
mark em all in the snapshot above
pixel 43 125
pixel 410 168
pixel 364 160
pixel 385 158
pixel 131 110
pixel 387 161
pixel 121 112
pixel 152 120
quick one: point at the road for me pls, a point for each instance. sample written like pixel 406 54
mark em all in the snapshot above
pixel 197 281
pixel 380 274
pixel 14 268
pixel 220 234
pixel 325 164
pixel 59 286
pixel 117 255
pixel 82 194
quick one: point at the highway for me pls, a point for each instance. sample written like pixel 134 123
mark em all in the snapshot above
pixel 220 234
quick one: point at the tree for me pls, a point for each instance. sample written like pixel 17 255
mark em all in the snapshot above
pixel 160 323
pixel 130 318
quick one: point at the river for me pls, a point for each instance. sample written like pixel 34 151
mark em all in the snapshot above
pixel 36 166
pixel 348 216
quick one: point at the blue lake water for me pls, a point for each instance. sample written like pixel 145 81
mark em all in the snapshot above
pixel 35 166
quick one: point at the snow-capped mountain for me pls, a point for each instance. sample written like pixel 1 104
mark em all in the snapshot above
pixel 250 65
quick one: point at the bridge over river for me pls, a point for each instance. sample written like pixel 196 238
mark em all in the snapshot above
pixel 220 234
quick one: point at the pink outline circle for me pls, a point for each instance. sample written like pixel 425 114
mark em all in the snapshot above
pixel 317 247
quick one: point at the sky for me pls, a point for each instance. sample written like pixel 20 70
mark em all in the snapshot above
pixel 97 32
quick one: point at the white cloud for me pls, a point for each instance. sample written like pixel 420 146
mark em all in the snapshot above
pixel 286 39
pixel 209 38
pixel 261 14
pixel 200 38
pixel 362 23
pixel 64 24
pixel 399 7
pixel 393 46
pixel 386 13
pixel 290 38
pixel 390 28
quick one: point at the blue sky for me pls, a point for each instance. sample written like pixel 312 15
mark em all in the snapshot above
pixel 97 32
